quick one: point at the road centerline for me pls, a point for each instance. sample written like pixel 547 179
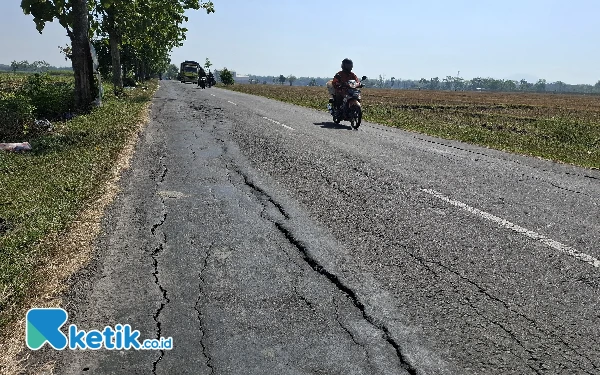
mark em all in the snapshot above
pixel 278 123
pixel 526 232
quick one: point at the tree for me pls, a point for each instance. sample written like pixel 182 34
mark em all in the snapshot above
pixel 540 85
pixel 492 84
pixel 67 51
pixel 74 17
pixel 25 65
pixel 477 83
pixel 141 34
pixel 172 72
pixel 291 78
pixel 281 79
pixel 110 14
pixel 509 85
pixel 226 77
pixel 20 65
pixel 207 64
pixel 40 65
pixel 448 82
pixel 313 82
pixel 560 86
pixel 82 56
pixel 524 85
pixel 434 83
pixel 458 83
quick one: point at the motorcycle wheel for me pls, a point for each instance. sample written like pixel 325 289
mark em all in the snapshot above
pixel 358 119
pixel 356 116
pixel 336 120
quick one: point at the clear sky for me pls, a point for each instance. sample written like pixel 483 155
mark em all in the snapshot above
pixel 410 39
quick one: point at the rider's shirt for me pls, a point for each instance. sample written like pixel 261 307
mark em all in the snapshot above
pixel 340 79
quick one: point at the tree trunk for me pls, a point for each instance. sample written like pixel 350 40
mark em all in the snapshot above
pixel 115 53
pixel 117 77
pixel 82 59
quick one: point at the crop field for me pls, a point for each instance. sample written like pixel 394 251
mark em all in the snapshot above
pixel 13 82
pixel 563 128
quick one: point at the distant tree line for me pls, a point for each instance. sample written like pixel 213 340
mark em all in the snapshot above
pixel 290 80
pixel 484 84
pixel 448 83
pixel 26 66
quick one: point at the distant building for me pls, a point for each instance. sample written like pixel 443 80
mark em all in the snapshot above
pixel 237 78
pixel 242 79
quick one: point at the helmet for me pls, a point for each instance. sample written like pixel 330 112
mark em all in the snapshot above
pixel 347 65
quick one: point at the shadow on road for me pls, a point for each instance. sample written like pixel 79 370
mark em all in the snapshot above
pixel 333 125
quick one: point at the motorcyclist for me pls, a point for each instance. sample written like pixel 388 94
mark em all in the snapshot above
pixel 201 73
pixel 210 79
pixel 340 81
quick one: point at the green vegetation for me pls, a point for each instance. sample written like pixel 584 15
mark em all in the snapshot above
pixel 26 98
pixel 42 191
pixel 564 128
pixel 16 114
pixel 291 78
pixel 226 77
pixel 172 72
pixel 207 64
pixel 138 36
pixel 127 36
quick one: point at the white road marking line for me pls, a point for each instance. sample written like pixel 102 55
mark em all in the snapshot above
pixel 507 224
pixel 278 123
pixel 231 102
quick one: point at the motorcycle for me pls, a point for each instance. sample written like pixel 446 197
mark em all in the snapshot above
pixel 351 109
pixel 211 81
pixel 202 82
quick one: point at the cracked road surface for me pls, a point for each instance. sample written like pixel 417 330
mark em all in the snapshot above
pixel 265 239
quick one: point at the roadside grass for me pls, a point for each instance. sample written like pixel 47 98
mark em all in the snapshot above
pixel 42 191
pixel 559 127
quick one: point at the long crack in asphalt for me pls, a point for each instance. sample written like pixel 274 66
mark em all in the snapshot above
pixel 347 330
pixel 201 285
pixel 306 255
pixel 155 254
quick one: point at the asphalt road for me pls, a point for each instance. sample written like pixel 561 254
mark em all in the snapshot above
pixel 264 239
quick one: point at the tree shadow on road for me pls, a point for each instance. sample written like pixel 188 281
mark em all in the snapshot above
pixel 333 125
